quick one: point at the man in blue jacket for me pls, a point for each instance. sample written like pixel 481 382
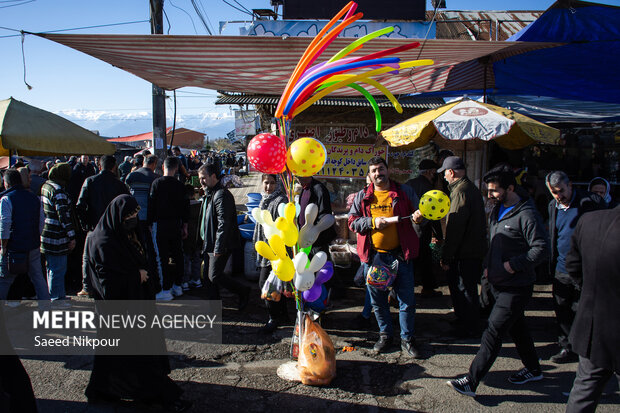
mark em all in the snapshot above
pixel 518 243
pixel 21 222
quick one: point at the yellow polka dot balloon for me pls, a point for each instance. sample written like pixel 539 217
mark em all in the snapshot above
pixel 434 205
pixel 305 157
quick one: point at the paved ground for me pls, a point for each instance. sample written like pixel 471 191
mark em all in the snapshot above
pixel 240 374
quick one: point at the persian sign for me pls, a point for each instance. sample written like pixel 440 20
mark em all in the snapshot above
pixel 349 161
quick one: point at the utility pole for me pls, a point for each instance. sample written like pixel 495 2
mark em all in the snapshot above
pixel 159 95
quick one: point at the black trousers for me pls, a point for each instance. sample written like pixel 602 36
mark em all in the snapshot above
pixel 506 317
pixel 276 309
pixel 463 278
pixel 588 387
pixel 170 245
pixel 216 278
pixel 566 299
pixel 424 263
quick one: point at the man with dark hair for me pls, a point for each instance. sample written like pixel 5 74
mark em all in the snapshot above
pixel 58 236
pixel 565 210
pixel 81 170
pixel 168 213
pixel 21 222
pixel 383 216
pixel 594 262
pixel 96 194
pixel 464 246
pixel 220 235
pixel 98 191
pixel 424 264
pixel 518 243
pixel 139 183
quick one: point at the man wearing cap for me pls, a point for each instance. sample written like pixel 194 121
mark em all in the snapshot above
pixel 464 246
pixel 424 264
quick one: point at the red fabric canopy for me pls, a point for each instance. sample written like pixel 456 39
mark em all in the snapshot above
pixel 263 65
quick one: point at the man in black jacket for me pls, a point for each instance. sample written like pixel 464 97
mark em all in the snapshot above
pixel 594 259
pixel 518 243
pixel 464 245
pixel 168 213
pixel 220 235
pixel 565 210
pixel 96 194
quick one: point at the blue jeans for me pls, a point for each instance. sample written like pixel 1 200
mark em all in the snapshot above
pixel 404 288
pixel 56 270
pixel 35 272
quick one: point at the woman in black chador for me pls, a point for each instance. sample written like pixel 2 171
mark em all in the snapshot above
pixel 117 267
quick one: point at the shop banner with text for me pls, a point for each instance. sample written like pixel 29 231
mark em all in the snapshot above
pixel 350 161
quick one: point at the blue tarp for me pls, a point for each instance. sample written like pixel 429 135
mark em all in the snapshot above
pixel 584 69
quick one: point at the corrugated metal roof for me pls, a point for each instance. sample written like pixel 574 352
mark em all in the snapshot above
pixel 481 25
pixel 406 102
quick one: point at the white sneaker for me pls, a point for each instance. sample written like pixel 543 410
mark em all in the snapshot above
pixel 164 295
pixel 185 286
pixel 176 290
pixel 195 284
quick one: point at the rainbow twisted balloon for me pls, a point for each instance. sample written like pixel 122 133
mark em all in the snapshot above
pixel 310 83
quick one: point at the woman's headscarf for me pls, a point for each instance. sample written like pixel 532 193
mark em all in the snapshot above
pixel 117 251
pixel 601 181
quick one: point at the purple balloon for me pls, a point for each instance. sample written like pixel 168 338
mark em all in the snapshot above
pixel 325 273
pixel 313 293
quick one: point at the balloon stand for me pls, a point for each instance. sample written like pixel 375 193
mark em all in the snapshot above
pixel 298 273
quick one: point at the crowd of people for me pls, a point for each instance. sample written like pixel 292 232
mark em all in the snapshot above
pixel 127 232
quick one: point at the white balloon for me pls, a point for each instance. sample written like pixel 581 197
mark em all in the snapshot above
pixel 309 233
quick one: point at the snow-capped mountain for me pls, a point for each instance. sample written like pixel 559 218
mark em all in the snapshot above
pixel 114 124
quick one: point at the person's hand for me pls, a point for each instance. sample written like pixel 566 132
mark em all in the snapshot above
pixel 72 244
pixel 217 254
pixel 417 217
pixel 380 223
pixel 143 276
pixel 508 268
pixel 444 266
pixel 434 240
pixel 485 273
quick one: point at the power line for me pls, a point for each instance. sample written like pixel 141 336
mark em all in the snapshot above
pixel 188 15
pixel 20 4
pixel 204 12
pixel 202 19
pixel 238 9
pixel 242 6
pixel 168 20
pixel 75 28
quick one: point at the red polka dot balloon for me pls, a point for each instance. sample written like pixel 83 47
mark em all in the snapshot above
pixel 267 153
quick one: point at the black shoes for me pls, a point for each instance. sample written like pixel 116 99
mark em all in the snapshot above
pixel 410 348
pixel 244 298
pixel 463 386
pixel 564 356
pixel 383 344
pixel 269 327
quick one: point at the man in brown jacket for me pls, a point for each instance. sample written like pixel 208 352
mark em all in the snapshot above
pixel 464 246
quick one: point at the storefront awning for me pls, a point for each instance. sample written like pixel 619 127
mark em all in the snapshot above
pixel 262 65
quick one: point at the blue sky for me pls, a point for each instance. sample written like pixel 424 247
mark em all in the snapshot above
pixel 64 79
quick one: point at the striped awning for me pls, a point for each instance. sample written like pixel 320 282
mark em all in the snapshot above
pixel 407 102
pixel 262 65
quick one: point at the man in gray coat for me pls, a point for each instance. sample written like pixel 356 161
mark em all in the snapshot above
pixel 464 246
